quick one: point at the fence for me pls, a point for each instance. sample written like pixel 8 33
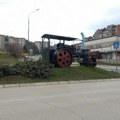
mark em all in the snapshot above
pixel 111 61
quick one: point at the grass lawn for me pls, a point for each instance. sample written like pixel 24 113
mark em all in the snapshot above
pixel 5 59
pixel 65 74
pixel 82 73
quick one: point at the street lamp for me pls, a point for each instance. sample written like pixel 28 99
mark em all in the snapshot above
pixel 29 30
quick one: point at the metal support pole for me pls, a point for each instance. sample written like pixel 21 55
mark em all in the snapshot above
pixel 28 36
pixel 116 60
pixel 29 30
pixel 42 47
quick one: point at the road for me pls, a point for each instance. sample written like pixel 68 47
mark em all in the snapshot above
pixel 81 101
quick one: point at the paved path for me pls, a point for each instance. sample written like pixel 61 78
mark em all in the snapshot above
pixel 81 101
pixel 110 68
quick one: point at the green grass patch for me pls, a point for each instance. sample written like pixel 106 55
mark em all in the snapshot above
pixel 6 59
pixel 65 74
pixel 19 80
pixel 82 73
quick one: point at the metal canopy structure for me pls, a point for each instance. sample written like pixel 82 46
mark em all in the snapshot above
pixel 49 36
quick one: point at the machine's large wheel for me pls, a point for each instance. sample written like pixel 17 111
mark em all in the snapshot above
pixel 91 62
pixel 63 58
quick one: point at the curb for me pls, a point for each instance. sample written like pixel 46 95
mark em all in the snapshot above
pixel 55 83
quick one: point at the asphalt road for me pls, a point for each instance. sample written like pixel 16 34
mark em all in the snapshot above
pixel 81 101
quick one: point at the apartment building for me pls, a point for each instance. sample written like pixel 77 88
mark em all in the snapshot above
pixel 105 46
pixel 20 41
pixel 102 41
pixel 5 40
pixel 2 42
pixel 110 30
pixel 39 44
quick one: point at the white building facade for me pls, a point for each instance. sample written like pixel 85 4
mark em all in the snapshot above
pixel 4 40
pixel 105 47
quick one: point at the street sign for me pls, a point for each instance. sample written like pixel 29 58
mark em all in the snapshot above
pixel 116 45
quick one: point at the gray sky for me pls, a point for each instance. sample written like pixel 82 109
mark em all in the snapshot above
pixel 61 17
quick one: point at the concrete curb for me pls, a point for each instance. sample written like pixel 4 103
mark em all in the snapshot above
pixel 58 82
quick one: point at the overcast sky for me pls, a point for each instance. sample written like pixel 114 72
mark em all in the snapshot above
pixel 60 17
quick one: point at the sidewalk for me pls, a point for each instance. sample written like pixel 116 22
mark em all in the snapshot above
pixel 109 68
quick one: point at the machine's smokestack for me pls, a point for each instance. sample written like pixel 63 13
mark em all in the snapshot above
pixel 83 38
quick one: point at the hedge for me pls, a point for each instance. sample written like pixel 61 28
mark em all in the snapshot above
pixel 34 69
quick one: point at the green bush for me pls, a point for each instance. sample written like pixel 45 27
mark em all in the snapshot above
pixel 6 70
pixel 34 69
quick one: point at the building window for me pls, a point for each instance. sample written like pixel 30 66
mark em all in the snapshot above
pixel 6 39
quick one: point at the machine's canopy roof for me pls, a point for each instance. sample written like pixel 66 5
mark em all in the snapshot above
pixel 49 36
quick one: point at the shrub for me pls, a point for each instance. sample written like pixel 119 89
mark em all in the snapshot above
pixel 6 70
pixel 34 69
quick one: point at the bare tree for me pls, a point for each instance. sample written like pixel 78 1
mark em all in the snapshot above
pixel 14 49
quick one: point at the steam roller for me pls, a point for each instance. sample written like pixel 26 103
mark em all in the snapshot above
pixel 63 54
